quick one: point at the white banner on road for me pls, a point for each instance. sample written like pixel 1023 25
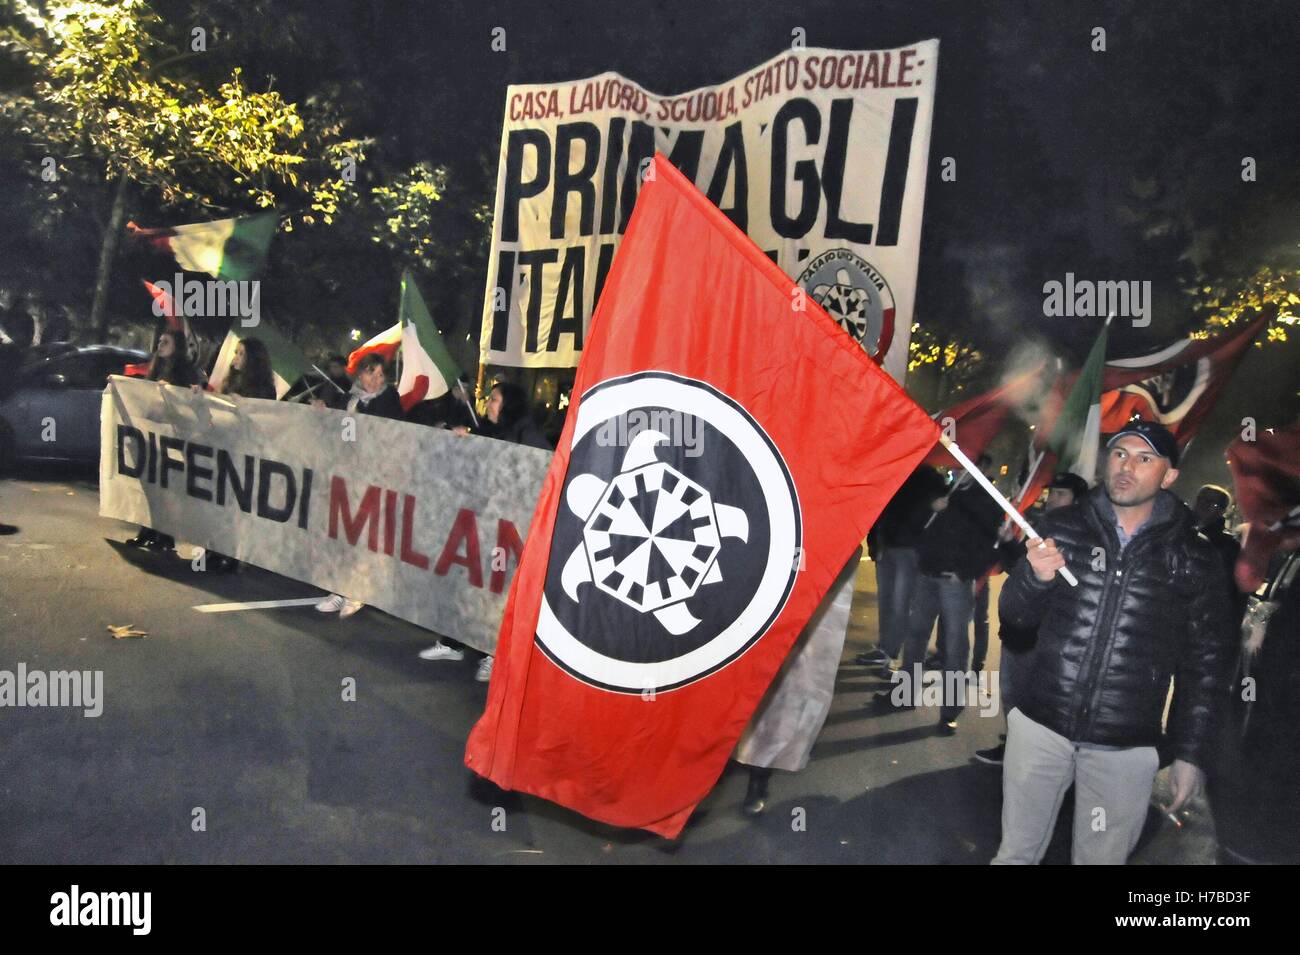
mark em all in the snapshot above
pixel 412 520
pixel 818 155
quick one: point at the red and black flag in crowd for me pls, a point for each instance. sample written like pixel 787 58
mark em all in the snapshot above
pixel 1179 385
pixel 727 448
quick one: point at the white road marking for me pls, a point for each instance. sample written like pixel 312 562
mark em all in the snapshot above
pixel 257 605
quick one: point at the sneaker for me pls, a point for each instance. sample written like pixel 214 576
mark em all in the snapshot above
pixel 947 727
pixel 332 604
pixel 440 651
pixel 484 673
pixel 992 756
pixel 876 657
pixel 350 607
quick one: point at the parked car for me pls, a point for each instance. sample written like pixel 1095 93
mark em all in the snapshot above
pixel 51 410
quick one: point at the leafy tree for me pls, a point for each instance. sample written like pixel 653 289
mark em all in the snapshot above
pixel 415 222
pixel 114 84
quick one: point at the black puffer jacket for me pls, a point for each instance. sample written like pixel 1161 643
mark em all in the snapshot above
pixel 1107 648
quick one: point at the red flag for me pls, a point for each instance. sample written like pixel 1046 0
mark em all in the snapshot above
pixel 979 420
pixel 165 304
pixel 664 581
pixel 1266 473
pixel 1178 387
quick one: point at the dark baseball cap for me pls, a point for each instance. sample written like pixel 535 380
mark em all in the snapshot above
pixel 1070 482
pixel 1156 436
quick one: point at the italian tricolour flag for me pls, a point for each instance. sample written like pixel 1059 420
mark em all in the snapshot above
pixel 428 370
pixel 232 249
pixel 1076 438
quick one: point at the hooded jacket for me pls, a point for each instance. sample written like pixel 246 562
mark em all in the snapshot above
pixel 1108 648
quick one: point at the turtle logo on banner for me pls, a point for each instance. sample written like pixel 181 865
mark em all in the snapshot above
pixel 856 295
pixel 1173 393
pixel 669 558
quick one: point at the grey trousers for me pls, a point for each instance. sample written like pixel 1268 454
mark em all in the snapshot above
pixel 1112 789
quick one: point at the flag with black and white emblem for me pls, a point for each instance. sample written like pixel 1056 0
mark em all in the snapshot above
pixel 727 448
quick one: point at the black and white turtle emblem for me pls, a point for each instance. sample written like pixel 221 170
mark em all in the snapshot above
pixel 675 545
pixel 651 536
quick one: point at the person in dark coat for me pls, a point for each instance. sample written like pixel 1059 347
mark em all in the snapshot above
pixel 338 390
pixel 1065 489
pixel 250 376
pixel 372 395
pixel 371 392
pixel 449 411
pixel 953 551
pixel 1210 507
pixel 170 365
pixel 892 546
pixel 337 368
pixel 508 418
pixel 1151 605
pixel 1254 781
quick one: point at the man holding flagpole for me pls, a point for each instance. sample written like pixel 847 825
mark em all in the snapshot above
pixel 1151 606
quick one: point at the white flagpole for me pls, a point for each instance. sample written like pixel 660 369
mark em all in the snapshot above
pixel 1036 462
pixel 336 385
pixel 468 404
pixel 997 495
pixel 956 485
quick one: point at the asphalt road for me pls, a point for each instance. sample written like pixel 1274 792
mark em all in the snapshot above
pixel 242 715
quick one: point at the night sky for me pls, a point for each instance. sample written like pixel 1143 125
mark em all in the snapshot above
pixel 1049 135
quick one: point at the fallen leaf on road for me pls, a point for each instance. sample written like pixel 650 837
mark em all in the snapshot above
pixel 120 633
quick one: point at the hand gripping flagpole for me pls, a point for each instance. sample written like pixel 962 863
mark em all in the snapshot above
pixel 956 486
pixel 997 495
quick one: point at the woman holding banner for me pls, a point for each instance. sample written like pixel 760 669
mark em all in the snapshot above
pixel 507 417
pixel 250 372
pixel 372 395
pixel 250 377
pixel 170 365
